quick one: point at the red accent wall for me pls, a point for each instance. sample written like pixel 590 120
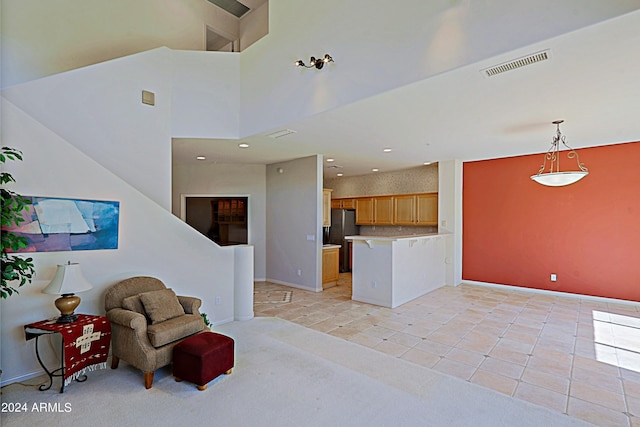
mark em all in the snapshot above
pixel 517 232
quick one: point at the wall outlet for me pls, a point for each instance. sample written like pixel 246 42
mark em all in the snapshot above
pixel 374 284
pixel 218 300
pixel 444 222
pixel 299 272
pixel 554 277
pixel 311 237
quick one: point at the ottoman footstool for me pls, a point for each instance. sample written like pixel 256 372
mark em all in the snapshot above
pixel 202 358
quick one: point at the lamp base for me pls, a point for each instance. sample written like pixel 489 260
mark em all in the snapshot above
pixel 67 304
pixel 67 318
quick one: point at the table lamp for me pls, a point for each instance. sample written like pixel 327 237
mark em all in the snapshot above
pixel 67 281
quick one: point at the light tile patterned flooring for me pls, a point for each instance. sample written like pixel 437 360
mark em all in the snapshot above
pixel 576 356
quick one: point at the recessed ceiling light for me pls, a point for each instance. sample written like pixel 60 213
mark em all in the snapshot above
pixel 201 158
pixel 375 170
pixel 387 150
pixel 243 145
pixel 331 160
pixel 426 163
pixel 338 174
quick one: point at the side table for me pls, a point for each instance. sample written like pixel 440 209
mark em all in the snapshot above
pixel 85 346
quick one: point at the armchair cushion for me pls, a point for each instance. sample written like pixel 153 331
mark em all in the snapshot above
pixel 161 305
pixel 174 329
pixel 133 303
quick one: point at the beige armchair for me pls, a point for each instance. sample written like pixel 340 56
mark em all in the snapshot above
pixel 147 321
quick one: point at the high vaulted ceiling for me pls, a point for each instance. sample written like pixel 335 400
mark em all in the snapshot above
pixel 590 80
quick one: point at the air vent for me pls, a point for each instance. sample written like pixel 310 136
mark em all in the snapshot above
pixel 281 133
pixel 234 7
pixel 517 63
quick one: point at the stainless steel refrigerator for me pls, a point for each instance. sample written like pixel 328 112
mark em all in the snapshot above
pixel 343 223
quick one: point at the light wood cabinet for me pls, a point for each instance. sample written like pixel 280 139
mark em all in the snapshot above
pixel 427 209
pixel 383 210
pixel 330 266
pixel 365 211
pixel 326 207
pixel 404 210
pixel 343 203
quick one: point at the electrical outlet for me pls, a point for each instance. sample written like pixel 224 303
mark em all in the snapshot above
pixel 218 300
pixel 299 272
pixel 374 284
pixel 554 277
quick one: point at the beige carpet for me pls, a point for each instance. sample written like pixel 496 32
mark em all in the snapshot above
pixel 285 375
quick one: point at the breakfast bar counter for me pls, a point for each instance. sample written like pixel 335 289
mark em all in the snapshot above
pixel 392 270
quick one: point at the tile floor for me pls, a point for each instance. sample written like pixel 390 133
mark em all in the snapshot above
pixel 577 356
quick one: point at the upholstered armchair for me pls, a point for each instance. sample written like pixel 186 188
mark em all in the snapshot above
pixel 147 321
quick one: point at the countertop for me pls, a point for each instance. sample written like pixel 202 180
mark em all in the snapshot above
pixel 396 238
pixel 331 247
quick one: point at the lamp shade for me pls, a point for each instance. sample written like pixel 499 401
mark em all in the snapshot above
pixel 68 280
pixel 558 179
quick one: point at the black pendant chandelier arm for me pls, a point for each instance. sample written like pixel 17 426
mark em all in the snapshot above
pixel 315 63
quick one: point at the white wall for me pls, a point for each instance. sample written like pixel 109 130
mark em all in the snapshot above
pixel 450 216
pixel 99 110
pixel 294 200
pixel 41 38
pixel 229 180
pixel 382 45
pixel 205 94
pixel 151 241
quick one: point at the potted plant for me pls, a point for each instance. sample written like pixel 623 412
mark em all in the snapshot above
pixel 16 271
pixel 206 320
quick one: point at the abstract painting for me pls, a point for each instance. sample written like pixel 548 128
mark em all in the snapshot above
pixel 55 224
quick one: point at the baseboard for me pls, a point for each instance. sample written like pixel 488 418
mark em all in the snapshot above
pixel 293 285
pixel 25 377
pixel 553 293
pixel 223 321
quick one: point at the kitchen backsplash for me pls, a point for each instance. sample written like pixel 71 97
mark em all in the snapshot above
pixel 422 179
pixel 394 230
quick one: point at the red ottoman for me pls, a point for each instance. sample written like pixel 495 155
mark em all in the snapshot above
pixel 203 357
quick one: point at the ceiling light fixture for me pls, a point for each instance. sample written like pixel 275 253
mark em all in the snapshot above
pixel 318 63
pixel 554 177
pixel 243 145
pixel 339 174
pixel 331 160
pixel 387 150
pixel 201 158
pixel 375 170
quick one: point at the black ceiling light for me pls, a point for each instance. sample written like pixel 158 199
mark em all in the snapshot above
pixel 318 63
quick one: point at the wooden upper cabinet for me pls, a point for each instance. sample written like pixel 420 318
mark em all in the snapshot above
pixel 383 210
pixel 427 209
pixel 343 204
pixel 404 210
pixel 365 211
pixel 326 207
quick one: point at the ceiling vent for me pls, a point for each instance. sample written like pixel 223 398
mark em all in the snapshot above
pixel 281 133
pixel 234 7
pixel 517 63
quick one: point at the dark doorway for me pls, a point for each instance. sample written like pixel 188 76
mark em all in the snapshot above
pixel 222 219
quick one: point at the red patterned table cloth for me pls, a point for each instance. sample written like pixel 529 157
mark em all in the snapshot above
pixel 86 343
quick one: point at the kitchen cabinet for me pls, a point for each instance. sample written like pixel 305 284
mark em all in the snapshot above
pixel 383 210
pixel 427 209
pixel 330 265
pixel 343 203
pixel 416 209
pixel 326 207
pixel 365 211
pixel 404 210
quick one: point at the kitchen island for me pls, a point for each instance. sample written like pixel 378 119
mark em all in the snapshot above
pixel 392 270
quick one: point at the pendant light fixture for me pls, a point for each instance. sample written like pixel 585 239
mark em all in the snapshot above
pixel 554 177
